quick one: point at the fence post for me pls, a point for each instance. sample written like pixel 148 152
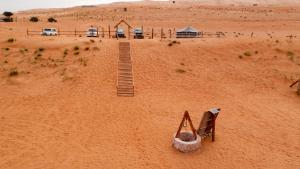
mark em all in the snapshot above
pixel 128 32
pixel 108 31
pixel 152 33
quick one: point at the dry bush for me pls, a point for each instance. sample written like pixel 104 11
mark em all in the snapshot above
pixel 13 72
pixel 180 71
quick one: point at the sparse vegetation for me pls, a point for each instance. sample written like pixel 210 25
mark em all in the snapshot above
pixel 52 20
pixel 180 71
pixel 76 48
pixel 34 19
pixel 83 61
pixel 13 72
pixel 87 48
pixel 291 55
pixel 92 40
pixel 278 50
pixel 96 48
pixel 8 17
pixel 41 49
pixel 11 40
pixel 77 53
pixel 66 52
pixel 248 53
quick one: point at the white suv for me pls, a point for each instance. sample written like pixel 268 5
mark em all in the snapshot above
pixel 49 32
pixel 92 32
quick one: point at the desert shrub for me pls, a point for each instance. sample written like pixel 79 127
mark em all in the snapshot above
pixel 87 48
pixel 77 53
pixel 241 56
pixel 182 64
pixel 83 61
pixel 34 19
pixel 52 19
pixel 7 49
pixel 278 50
pixel 92 40
pixel 66 52
pixel 290 53
pixel 175 42
pixel 170 44
pixel 41 49
pixel 180 71
pixel 13 72
pixel 76 48
pixel 10 40
pixel 5 61
pixel 256 52
pixel 247 53
pixel 96 48
pixel 8 16
pixel 21 51
pixel 8 19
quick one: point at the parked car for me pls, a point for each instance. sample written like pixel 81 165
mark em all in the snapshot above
pixel 49 32
pixel 138 33
pixel 92 32
pixel 120 33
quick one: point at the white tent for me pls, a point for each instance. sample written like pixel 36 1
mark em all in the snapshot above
pixel 188 32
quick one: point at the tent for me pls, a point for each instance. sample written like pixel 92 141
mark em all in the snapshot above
pixel 187 32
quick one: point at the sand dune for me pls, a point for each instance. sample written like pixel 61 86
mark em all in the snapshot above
pixel 62 111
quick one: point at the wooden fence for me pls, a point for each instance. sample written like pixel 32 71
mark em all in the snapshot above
pixel 148 34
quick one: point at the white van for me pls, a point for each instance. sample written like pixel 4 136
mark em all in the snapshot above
pixel 49 32
pixel 92 32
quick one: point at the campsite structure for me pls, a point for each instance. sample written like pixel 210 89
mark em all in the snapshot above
pixel 129 27
pixel 188 32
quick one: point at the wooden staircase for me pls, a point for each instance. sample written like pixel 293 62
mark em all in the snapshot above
pixel 125 86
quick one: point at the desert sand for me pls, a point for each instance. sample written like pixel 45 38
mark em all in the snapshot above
pixel 61 110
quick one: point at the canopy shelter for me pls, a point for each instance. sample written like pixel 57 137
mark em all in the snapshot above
pixel 126 23
pixel 188 32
